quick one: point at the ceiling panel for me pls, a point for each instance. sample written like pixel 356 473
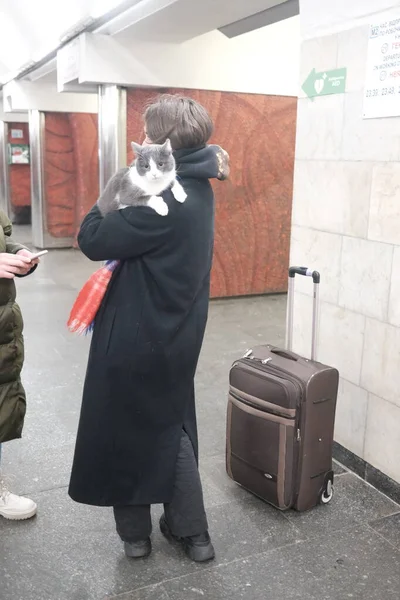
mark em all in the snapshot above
pixel 279 12
pixel 30 29
pixel 177 21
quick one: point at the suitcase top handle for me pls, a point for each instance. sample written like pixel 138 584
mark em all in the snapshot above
pixel 284 354
pixel 293 271
pixel 316 277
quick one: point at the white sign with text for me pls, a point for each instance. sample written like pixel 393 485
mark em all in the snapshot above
pixel 382 84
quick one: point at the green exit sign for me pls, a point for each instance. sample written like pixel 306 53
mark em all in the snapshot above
pixel 325 83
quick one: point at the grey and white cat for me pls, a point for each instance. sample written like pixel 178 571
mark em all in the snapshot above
pixel 152 172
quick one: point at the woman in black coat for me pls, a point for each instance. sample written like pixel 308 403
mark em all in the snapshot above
pixel 137 437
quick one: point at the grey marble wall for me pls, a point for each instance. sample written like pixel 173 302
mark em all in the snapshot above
pixel 346 222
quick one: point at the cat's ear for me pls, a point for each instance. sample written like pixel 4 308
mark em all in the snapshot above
pixel 137 148
pixel 167 146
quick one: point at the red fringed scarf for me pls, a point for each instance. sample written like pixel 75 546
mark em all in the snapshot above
pixel 84 310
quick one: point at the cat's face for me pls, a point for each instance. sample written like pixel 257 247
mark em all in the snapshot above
pixel 153 161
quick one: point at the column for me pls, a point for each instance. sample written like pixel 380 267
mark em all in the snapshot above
pixel 41 237
pixel 112 131
pixel 4 181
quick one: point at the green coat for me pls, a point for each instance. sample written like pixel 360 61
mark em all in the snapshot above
pixel 12 394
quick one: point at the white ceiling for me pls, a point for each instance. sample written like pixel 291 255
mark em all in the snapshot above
pixel 31 29
pixel 181 20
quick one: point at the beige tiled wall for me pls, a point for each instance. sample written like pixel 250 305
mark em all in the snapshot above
pixel 346 223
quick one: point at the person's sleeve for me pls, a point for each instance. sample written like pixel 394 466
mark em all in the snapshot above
pixel 122 234
pixel 28 273
pixel 13 247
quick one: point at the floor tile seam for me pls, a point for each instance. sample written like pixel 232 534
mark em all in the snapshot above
pixel 286 515
pixel 44 491
pixel 210 507
pixel 363 520
pixel 378 533
pixel 391 514
pixel 314 537
pixel 396 506
pixel 357 525
pixel 353 473
pixel 209 569
pixel 244 558
pixel 353 503
pixel 138 590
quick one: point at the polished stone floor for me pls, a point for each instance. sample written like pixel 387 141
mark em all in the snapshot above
pixel 349 549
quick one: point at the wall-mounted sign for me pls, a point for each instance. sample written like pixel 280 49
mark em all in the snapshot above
pixel 382 83
pixel 17 134
pixel 18 154
pixel 325 83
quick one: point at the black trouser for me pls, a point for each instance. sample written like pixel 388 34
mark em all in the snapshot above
pixel 185 513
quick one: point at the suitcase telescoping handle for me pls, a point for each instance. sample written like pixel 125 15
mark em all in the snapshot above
pixel 293 271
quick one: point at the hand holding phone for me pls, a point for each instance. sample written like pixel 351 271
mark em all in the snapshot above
pixel 28 260
pixel 39 254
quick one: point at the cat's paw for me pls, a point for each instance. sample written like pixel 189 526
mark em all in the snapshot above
pixel 179 193
pixel 158 204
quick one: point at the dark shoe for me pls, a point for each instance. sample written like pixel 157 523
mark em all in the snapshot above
pixel 138 549
pixel 198 547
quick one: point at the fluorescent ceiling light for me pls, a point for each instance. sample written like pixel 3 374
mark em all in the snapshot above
pixel 99 8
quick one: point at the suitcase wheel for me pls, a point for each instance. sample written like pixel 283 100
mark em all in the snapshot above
pixel 327 493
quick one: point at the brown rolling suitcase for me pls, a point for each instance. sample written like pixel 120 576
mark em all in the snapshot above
pixel 281 415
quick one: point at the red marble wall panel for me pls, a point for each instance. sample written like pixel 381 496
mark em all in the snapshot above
pixel 59 175
pixel 84 129
pixel 71 170
pixel 253 208
pixel 19 175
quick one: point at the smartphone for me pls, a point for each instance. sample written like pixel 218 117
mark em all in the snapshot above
pixel 39 254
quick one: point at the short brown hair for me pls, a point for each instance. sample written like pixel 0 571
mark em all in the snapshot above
pixel 183 120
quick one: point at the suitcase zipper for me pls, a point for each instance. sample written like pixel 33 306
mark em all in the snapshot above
pixel 267 368
pixel 257 407
pixel 289 377
pixel 253 368
pixel 296 475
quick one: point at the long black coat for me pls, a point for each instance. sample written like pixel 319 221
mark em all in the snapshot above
pixel 139 388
